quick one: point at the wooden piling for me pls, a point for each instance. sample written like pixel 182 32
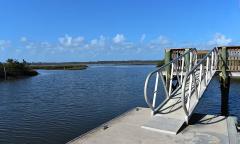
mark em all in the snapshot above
pixel 168 68
pixel 5 73
pixel 224 82
pixel 187 59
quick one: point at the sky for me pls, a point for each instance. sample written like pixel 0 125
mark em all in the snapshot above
pixel 93 30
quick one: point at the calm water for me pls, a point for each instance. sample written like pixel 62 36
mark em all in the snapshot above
pixel 57 106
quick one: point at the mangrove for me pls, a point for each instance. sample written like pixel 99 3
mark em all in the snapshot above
pixel 12 69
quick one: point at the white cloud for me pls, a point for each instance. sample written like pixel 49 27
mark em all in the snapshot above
pixel 76 48
pixel 162 40
pixel 160 43
pixel 70 47
pixel 119 38
pixel 23 39
pixel 66 40
pixel 69 41
pixel 100 45
pixel 78 41
pixel 220 39
pixel 4 44
pixel 101 41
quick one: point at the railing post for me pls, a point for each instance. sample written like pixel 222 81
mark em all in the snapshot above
pixel 216 59
pixel 212 60
pixel 168 68
pixel 189 92
pixel 182 68
pixel 155 91
pixel 187 60
pixel 224 82
pixel 191 61
pixel 171 79
pixel 200 79
pixel 207 66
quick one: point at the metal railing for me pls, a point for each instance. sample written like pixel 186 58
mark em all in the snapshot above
pixel 173 71
pixel 196 81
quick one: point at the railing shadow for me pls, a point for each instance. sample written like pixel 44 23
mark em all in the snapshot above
pixel 172 107
pixel 199 119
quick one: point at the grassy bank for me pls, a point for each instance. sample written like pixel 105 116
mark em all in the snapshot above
pixel 160 63
pixel 127 62
pixel 59 67
pixel 12 69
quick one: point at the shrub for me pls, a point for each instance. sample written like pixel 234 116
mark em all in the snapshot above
pixel 14 68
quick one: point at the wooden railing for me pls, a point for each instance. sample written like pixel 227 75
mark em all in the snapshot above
pixel 232 54
pixel 177 52
pixel 233 58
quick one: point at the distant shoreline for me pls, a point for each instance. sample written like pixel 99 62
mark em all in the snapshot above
pixel 59 67
pixel 131 62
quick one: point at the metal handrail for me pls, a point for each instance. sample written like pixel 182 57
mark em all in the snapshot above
pixel 206 66
pixel 168 91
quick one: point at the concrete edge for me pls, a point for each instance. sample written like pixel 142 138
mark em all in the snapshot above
pixel 238 130
pixel 233 134
pixel 105 124
pixel 158 130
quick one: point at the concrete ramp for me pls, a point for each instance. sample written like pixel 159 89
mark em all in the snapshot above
pixel 169 118
pixel 163 124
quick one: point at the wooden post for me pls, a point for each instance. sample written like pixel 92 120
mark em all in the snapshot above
pixel 167 56
pixel 187 60
pixel 168 68
pixel 224 82
pixel 5 73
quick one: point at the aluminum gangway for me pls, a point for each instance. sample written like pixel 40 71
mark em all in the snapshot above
pixel 183 80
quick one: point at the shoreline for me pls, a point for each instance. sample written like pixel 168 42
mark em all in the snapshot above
pixel 59 67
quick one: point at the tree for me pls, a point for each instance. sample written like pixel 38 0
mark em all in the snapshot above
pixel 10 61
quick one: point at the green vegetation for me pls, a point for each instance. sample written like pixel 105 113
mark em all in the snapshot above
pixel 60 67
pixel 160 63
pixel 83 65
pixel 127 62
pixel 14 69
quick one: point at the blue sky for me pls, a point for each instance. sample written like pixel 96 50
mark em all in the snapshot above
pixel 90 30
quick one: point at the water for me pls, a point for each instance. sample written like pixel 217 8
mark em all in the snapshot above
pixel 57 106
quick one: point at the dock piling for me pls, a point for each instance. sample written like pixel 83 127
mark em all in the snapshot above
pixel 168 69
pixel 224 82
pixel 187 59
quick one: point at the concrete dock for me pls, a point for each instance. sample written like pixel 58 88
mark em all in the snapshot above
pixel 127 129
pixel 184 79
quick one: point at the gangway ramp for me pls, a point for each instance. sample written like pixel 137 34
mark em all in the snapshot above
pixel 184 81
